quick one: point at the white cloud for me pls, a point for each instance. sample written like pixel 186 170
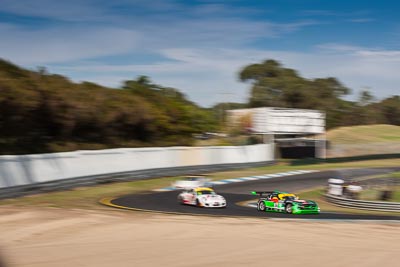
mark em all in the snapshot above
pixel 361 20
pixel 202 48
pixel 212 33
pixel 383 55
pixel 204 75
pixel 44 46
pixel 137 33
pixel 73 10
pixel 195 46
pixel 334 48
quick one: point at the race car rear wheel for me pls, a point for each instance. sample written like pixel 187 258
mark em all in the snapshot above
pixel 261 206
pixel 288 208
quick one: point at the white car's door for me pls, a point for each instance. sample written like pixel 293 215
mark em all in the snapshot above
pixel 193 197
pixel 189 197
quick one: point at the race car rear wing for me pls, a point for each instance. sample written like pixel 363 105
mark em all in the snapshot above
pixel 261 193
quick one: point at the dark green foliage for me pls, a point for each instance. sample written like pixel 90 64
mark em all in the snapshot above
pixel 390 109
pixel 178 117
pixel 41 112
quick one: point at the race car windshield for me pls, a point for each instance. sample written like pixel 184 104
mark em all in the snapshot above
pixel 206 193
pixel 191 179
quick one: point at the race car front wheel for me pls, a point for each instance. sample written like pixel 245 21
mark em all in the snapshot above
pixel 261 206
pixel 288 208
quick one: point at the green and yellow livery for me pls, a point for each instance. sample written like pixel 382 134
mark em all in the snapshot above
pixel 277 201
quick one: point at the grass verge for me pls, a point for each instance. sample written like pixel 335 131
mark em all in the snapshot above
pixel 378 133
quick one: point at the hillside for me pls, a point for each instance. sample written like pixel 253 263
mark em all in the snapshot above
pixel 42 112
pixel 378 133
pixel 364 140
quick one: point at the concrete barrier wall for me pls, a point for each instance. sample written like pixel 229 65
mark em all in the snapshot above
pixel 20 170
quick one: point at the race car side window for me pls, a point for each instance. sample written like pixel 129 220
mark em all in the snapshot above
pixel 271 197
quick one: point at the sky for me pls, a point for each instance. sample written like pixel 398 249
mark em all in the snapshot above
pixel 199 47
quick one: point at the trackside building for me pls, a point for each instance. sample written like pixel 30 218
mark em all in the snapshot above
pixel 294 131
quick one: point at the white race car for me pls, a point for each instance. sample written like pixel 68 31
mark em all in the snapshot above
pixel 190 182
pixel 202 197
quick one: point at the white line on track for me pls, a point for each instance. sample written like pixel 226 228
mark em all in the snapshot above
pixel 244 179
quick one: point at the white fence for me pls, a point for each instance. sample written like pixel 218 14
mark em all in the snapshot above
pixel 20 170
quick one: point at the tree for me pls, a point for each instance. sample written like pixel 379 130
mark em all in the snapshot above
pixel 270 83
pixel 390 109
pixel 365 98
pixel 62 115
pixel 276 86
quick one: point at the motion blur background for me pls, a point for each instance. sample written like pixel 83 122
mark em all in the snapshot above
pixel 96 92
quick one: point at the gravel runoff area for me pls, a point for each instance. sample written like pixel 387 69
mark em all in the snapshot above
pixel 66 237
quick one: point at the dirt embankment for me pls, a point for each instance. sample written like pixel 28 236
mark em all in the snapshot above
pixel 58 237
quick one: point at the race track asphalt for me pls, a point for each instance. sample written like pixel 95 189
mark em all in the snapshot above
pixel 239 192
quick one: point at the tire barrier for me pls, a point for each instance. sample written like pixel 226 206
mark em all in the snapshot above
pixel 363 204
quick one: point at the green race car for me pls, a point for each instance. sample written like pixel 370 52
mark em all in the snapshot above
pixel 276 201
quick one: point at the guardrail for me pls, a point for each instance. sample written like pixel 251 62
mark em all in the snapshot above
pixel 363 204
